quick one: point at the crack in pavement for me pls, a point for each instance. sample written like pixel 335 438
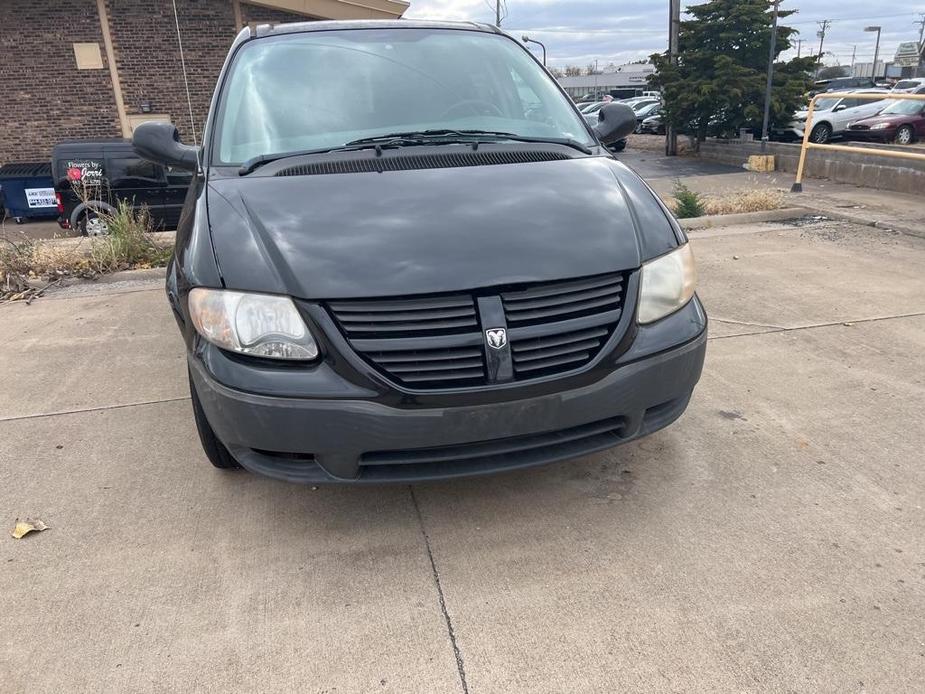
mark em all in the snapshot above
pixel 773 329
pixel 100 408
pixel 446 615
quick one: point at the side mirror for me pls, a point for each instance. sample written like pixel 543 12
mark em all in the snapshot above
pixel 840 107
pixel 160 142
pixel 614 123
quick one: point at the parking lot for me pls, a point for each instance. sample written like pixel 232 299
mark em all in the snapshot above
pixel 772 540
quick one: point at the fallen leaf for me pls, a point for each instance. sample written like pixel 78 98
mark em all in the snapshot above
pixel 23 528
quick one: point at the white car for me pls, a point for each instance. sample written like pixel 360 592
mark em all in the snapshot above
pixel 834 115
pixel 908 86
pixel 591 108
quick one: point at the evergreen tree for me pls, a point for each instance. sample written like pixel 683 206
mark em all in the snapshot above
pixel 718 85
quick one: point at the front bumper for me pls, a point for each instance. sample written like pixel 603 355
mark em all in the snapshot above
pixel 347 440
pixel 880 135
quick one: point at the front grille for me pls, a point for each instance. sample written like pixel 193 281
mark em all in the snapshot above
pixel 415 340
pixel 554 302
pixel 438 341
pixel 548 354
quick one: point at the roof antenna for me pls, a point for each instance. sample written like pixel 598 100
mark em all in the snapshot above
pixel 189 101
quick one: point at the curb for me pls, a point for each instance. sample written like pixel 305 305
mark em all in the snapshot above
pixel 726 220
pixel 162 238
pixel 866 221
pixel 154 273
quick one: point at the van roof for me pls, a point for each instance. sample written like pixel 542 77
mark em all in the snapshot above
pixel 101 146
pixel 298 27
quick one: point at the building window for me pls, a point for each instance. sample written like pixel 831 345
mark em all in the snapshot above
pixel 88 56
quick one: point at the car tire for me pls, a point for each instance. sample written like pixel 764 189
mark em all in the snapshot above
pixel 905 135
pixel 214 449
pixel 91 224
pixel 821 134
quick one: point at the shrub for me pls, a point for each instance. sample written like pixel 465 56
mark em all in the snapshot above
pixel 128 245
pixel 688 203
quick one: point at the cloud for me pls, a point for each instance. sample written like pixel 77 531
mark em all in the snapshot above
pixel 577 32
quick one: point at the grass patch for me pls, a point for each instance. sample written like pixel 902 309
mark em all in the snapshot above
pixel 685 203
pixel 128 245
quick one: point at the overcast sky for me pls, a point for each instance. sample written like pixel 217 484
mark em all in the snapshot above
pixel 578 31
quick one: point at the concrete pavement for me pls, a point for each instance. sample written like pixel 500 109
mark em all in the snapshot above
pixel 771 540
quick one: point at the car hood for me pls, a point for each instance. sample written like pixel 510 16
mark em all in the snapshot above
pixel 897 119
pixel 433 230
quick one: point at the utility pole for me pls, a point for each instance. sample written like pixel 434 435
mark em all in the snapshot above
pixel 767 91
pixel 854 54
pixel 873 73
pixel 823 27
pixel 799 47
pixel 497 13
pixel 921 24
pixel 674 34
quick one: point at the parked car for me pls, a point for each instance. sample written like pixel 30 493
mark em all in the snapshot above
pixel 424 282
pixel 833 115
pixel 909 86
pixel 592 107
pixel 637 101
pixel 839 84
pixel 903 122
pixel 644 111
pixel 654 125
pixel 93 176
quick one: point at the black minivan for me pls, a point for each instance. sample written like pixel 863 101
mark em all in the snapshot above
pixel 92 176
pixel 406 256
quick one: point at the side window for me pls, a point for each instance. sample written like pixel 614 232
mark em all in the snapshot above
pixel 178 177
pixel 130 172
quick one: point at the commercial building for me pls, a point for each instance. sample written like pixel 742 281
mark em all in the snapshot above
pixel 621 82
pixel 75 69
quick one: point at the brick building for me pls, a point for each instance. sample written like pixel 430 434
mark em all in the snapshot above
pixel 96 68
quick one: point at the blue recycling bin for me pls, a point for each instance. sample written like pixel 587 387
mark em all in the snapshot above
pixel 28 190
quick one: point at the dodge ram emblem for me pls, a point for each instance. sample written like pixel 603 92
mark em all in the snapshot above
pixel 496 338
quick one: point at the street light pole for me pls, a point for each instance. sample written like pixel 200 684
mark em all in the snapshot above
pixel 770 83
pixel 527 39
pixel 873 71
pixel 674 41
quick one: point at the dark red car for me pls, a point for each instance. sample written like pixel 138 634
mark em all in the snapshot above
pixel 902 122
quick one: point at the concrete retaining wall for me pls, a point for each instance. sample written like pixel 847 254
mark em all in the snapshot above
pixel 868 170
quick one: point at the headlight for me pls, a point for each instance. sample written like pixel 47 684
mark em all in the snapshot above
pixel 880 126
pixel 668 283
pixel 262 325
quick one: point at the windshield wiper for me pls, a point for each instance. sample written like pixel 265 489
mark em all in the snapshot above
pixel 387 141
pixel 412 139
pixel 458 136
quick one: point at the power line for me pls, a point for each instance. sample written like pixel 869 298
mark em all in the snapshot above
pixel 850 19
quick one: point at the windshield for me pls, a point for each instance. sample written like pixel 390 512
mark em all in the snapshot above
pixel 903 107
pixel 906 84
pixel 323 89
